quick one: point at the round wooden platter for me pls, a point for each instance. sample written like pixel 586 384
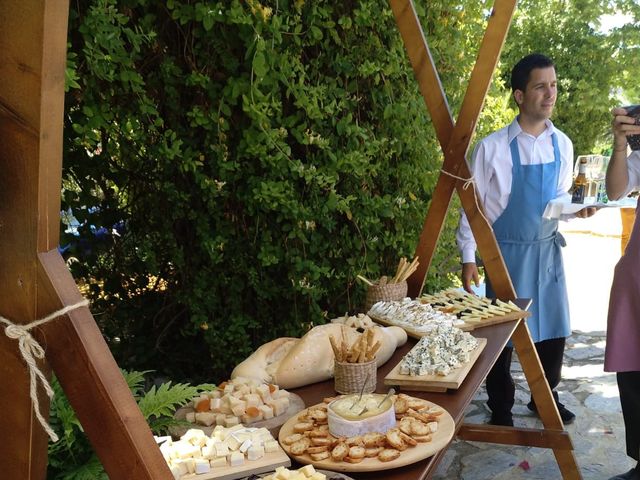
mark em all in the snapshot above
pixel 327 473
pixel 440 439
pixel 296 405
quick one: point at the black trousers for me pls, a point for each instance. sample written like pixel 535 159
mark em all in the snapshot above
pixel 629 387
pixel 500 387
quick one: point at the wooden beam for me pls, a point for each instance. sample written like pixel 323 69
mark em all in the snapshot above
pixel 34 278
pixel 454 140
pixel 526 437
pixel 93 382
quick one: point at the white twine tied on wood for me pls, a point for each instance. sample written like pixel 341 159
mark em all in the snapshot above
pixel 31 350
pixel 467 183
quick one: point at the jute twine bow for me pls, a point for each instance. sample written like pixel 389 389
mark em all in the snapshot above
pixel 31 350
pixel 467 183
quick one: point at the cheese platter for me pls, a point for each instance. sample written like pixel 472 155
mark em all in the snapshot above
pixel 296 404
pixel 226 454
pixel 431 382
pixel 266 464
pixel 440 429
pixel 452 307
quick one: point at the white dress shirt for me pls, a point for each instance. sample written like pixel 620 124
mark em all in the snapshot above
pixel 491 170
pixel 633 167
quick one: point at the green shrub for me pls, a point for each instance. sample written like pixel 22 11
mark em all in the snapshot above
pixel 259 157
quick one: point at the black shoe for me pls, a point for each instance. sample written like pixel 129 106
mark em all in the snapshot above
pixel 567 416
pixel 504 419
pixel 632 474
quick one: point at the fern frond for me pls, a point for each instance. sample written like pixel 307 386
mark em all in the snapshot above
pixel 135 380
pixel 162 402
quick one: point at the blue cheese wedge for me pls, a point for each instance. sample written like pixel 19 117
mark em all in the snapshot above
pixel 443 349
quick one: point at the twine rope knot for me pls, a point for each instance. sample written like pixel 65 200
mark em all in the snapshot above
pixel 467 183
pixel 31 350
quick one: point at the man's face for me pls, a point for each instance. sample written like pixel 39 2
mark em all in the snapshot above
pixel 539 97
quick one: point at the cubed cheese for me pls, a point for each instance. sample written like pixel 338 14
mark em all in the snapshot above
pixel 218 462
pixel 255 452
pixel 307 470
pixel 201 466
pixel 236 459
pixel 205 418
pixel 271 446
pixel 266 411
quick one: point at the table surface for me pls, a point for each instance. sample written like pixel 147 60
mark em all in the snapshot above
pixel 454 401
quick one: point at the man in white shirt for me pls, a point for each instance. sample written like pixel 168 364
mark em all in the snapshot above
pixel 517 171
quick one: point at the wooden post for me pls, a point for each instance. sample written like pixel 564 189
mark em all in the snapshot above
pixel 454 140
pixel 34 279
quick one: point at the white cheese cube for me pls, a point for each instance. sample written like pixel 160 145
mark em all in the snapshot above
pixel 190 417
pixel 236 459
pixel 214 404
pixel 238 408
pixel 218 462
pixel 206 418
pixel 245 446
pixel 307 470
pixel 280 394
pixel 222 449
pixel 232 442
pixel 228 388
pixel 266 411
pixel 201 466
pixel 271 446
pixel 255 452
pixel 194 436
pixel 209 452
pixel 253 400
pixel 175 471
pixel 220 418
pixel 231 420
pixel 181 465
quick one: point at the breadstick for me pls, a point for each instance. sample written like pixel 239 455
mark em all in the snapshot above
pixel 336 349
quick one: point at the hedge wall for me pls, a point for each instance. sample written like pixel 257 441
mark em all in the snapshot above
pixel 234 165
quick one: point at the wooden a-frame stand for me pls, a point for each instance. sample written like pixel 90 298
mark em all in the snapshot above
pixel 455 140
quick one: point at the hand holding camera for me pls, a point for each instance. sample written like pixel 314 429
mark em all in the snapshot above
pixel 633 139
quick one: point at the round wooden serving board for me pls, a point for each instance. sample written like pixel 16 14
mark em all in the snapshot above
pixel 440 439
pixel 329 475
pixel 296 405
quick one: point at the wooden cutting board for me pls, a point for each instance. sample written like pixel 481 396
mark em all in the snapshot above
pixel 434 383
pixel 466 326
pixel 267 463
pixel 296 404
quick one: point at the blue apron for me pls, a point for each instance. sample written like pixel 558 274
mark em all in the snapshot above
pixel 530 246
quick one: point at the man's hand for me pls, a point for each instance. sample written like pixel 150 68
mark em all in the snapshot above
pixel 586 212
pixel 469 273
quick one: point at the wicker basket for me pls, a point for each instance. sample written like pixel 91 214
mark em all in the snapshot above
pixel 350 377
pixel 387 292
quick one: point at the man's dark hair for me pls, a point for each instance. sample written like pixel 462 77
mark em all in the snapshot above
pixel 520 73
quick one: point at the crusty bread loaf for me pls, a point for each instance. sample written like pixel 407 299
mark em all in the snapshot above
pixel 292 363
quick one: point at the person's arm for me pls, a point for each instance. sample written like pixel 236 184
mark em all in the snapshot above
pixel 464 235
pixel 617 180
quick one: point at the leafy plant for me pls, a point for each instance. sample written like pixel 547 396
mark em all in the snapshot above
pixel 72 457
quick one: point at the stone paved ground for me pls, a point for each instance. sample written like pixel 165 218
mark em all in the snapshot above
pixel 598 432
